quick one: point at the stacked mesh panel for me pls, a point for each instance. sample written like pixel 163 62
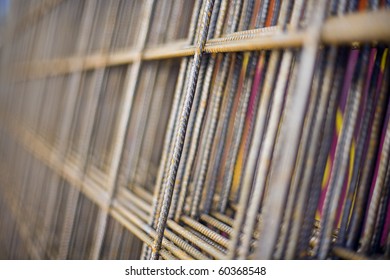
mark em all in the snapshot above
pixel 208 129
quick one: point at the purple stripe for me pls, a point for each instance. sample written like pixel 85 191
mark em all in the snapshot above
pixel 352 60
pixel 362 107
pixel 376 97
pixel 255 89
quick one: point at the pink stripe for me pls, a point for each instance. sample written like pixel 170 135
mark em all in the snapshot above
pixel 352 60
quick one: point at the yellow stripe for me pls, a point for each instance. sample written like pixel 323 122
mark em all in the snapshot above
pixel 318 216
pixel 245 62
pixel 237 172
pixel 384 58
pixel 351 161
pixel 339 121
pixel 239 163
pixel 328 167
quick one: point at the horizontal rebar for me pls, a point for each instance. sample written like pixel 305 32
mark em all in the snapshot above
pixel 352 28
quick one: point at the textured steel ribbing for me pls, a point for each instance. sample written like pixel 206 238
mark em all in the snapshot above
pixel 239 118
pixel 377 193
pixel 360 156
pixel 290 132
pixel 215 223
pixel 222 132
pixel 179 140
pixel 172 126
pixel 216 104
pixel 201 111
pixel 206 231
pixel 341 161
pixel 197 117
pixel 304 194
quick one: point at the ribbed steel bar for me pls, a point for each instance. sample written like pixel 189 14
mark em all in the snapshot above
pixel 197 117
pixel 290 131
pixel 179 141
pixel 172 125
